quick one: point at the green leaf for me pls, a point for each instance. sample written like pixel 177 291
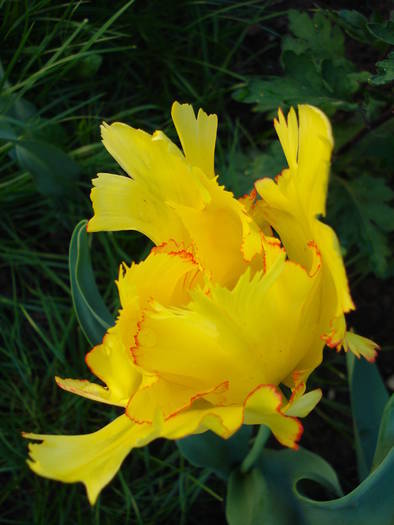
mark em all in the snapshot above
pixel 93 316
pixel 362 214
pixel 314 35
pixel 385 71
pixel 273 496
pixel 247 501
pixel 355 24
pixel 386 433
pixel 303 82
pixel 243 169
pixel 316 70
pixel 297 487
pixel 369 503
pixel 219 455
pixel 55 174
pixel 382 31
pixel 376 148
pixel 342 79
pixel 368 397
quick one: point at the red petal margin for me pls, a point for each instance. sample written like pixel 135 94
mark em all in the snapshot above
pixel 218 388
pixel 278 409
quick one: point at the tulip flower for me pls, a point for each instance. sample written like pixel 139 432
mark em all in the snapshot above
pixel 220 314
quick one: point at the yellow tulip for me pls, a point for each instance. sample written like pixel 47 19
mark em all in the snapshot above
pixel 217 317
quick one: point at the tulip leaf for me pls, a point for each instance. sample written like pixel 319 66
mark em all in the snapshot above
pixel 281 494
pixel 93 315
pixel 370 502
pixel 272 496
pixel 368 397
pixel 386 433
pixel 248 500
pixel 219 455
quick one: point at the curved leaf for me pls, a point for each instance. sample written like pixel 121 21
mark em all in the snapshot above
pixel 276 496
pixel 386 433
pixel 371 502
pixel 368 397
pixel 93 316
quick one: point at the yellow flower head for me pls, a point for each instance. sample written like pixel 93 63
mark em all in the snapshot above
pixel 220 313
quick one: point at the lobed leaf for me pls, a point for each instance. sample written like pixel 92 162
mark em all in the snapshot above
pixel 363 215
pixel 385 71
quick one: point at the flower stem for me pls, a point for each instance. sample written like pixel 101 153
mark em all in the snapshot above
pixel 254 453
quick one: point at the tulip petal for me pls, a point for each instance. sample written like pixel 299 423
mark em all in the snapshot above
pixel 172 271
pixel 360 346
pixel 314 153
pixel 172 197
pixel 232 335
pixel 197 136
pixel 288 136
pixel 168 398
pixel 263 407
pixel 92 459
pixel 308 151
pixel 112 363
pixel 292 204
pixel 333 266
pixel 166 274
pixel 159 174
pixel 301 406
pixel 92 391
pixel 120 203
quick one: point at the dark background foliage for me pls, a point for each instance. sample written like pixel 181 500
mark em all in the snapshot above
pixel 66 66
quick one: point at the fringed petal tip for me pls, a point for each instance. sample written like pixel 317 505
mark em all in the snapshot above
pixel 197 136
pixel 92 459
pixel 361 346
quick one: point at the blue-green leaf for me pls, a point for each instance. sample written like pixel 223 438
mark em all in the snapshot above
pixel 248 499
pixel 386 433
pixel 286 469
pixel 278 496
pixel 369 503
pixel 93 315
pixel 219 455
pixel 368 397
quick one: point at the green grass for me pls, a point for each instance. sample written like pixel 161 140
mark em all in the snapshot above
pixel 50 57
pixel 80 63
